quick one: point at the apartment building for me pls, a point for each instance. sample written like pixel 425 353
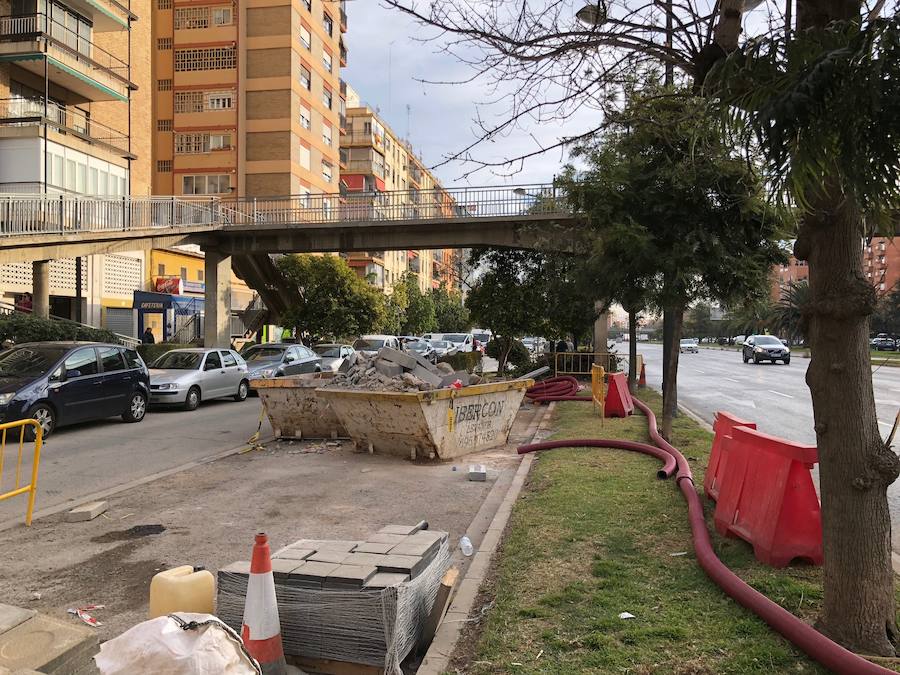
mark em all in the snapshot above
pixel 380 172
pixel 881 266
pixel 75 119
pixel 247 99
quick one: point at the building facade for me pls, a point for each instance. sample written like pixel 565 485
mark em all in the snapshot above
pixel 380 172
pixel 247 98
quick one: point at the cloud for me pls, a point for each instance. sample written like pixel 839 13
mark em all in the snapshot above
pixel 387 62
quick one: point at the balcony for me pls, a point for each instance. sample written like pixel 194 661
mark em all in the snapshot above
pixel 16 113
pixel 106 15
pixel 342 122
pixel 73 61
pixel 343 158
pixel 415 175
pixel 343 53
pixel 343 16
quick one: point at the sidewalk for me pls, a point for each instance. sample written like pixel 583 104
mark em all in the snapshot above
pixel 207 516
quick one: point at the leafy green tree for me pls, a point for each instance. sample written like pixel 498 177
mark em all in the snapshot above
pixel 569 296
pixel 508 298
pixel 419 316
pixel 676 210
pixel 887 315
pixel 330 300
pixel 450 312
pixel 698 322
pixel 788 318
pixel 394 313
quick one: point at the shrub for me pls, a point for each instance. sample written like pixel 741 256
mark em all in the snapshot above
pixel 519 356
pixel 152 352
pixel 20 328
pixel 468 361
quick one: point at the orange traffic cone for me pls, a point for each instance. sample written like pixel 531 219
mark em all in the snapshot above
pixel 642 380
pixel 261 630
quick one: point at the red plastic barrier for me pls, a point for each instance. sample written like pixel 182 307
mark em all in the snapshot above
pixel 718 457
pixel 767 497
pixel 618 398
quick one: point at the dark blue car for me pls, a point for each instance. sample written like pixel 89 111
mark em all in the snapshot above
pixel 60 383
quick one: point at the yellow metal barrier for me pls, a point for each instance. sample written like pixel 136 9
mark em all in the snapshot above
pixel 598 392
pixel 19 489
pixel 581 363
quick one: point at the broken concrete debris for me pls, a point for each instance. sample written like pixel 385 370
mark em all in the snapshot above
pixel 393 370
pixel 477 472
pixel 351 601
pixel 86 512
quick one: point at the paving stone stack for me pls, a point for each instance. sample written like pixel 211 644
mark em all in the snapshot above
pixel 354 601
pixel 392 370
pixel 34 642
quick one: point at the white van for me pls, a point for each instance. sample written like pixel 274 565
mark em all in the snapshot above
pixel 464 342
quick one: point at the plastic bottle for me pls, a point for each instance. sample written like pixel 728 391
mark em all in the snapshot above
pixel 465 545
pixel 182 589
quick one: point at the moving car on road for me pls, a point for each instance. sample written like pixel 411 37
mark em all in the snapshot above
pixel 765 348
pixel 688 346
pixel 332 355
pixel 276 359
pixel 59 383
pixel 421 348
pixel 368 345
pixel 187 376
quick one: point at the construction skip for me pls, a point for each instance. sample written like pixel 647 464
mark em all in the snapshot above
pixel 296 410
pixel 438 424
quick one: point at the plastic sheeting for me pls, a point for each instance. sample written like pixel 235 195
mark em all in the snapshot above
pixel 373 627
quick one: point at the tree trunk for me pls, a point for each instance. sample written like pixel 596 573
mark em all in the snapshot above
pixel 632 351
pixel 670 369
pixel 855 466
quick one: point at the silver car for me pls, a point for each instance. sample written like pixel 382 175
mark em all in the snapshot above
pixel 332 355
pixel 187 376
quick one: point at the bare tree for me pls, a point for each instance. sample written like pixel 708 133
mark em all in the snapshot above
pixel 533 57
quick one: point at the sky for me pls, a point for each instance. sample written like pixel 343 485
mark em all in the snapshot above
pixel 385 64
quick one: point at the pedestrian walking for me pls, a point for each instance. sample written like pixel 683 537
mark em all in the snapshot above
pixel 147 338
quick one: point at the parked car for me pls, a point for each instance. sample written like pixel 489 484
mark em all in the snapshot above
pixel 739 339
pixel 443 348
pixel 765 348
pixel 884 343
pixel 465 342
pixel 482 337
pixel 421 348
pixel 368 345
pixel 276 359
pixel 688 346
pixel 187 376
pixel 332 355
pixel 59 383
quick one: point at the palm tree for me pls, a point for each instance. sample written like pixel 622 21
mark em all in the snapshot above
pixel 787 317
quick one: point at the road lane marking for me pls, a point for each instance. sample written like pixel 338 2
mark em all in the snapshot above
pixel 772 391
pixel 731 379
pixel 885 424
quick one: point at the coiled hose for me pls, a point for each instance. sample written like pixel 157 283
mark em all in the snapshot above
pixel 805 637
pixel 560 388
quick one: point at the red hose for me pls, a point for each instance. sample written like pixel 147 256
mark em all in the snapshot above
pixel 561 388
pixel 805 637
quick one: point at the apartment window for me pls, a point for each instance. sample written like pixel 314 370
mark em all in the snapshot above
pixel 184 273
pixel 188 101
pixel 328 22
pixel 188 18
pixel 326 98
pixel 164 85
pixel 367 128
pixel 221 16
pixel 220 101
pixel 212 58
pixel 305 118
pixel 164 125
pixel 305 78
pixel 205 185
pixel 191 144
pixel 161 270
pixel 326 171
pixel 308 4
pixel 219 141
pixel 199 275
pixel 305 38
pixel 326 61
pixel 164 44
pixel 326 135
pixel 304 157
pixel 163 4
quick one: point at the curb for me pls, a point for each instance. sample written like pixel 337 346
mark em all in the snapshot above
pixel 109 492
pixel 437 658
pixel 694 416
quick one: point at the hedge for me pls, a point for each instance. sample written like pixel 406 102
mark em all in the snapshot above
pixel 468 361
pixel 20 328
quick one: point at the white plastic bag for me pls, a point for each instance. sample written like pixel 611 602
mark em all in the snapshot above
pixel 179 644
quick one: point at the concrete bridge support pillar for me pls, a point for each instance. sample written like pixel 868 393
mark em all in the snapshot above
pixel 217 274
pixel 40 288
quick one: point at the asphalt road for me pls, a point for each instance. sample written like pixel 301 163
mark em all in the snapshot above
pixel 87 458
pixel 774 396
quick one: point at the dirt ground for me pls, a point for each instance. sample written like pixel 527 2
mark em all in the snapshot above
pixel 207 516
